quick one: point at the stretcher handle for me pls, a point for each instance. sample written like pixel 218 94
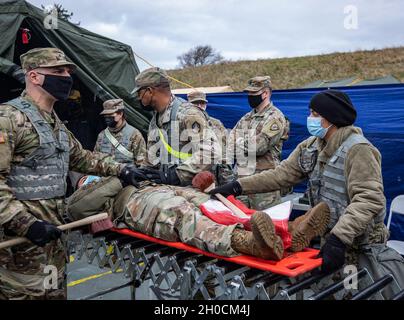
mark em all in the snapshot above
pixel 63 227
pixel 238 212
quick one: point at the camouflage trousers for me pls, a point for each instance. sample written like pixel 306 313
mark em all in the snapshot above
pixel 29 272
pixel 172 213
pixel 261 201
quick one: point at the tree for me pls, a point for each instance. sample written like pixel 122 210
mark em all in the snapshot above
pixel 199 56
pixel 63 13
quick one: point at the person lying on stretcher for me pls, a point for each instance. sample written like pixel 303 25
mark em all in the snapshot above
pixel 172 213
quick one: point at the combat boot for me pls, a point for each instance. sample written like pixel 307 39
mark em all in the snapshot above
pixel 293 224
pixel 312 224
pixel 262 242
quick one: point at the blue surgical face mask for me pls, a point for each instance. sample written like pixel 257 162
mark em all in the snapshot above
pixel 315 128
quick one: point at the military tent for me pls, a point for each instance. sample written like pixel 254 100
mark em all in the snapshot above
pixel 106 68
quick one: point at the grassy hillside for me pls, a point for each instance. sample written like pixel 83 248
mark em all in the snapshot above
pixel 296 72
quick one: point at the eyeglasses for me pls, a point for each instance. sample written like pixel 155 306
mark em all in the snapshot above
pixel 144 92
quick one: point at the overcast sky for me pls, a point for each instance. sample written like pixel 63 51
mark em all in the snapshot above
pixel 160 30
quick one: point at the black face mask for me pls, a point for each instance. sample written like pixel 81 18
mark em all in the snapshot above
pixel 57 86
pixel 147 108
pixel 110 122
pixel 255 101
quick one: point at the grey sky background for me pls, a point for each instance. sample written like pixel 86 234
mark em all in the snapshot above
pixel 160 30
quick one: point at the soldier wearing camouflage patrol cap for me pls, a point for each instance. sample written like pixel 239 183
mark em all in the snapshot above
pixel 198 99
pixel 37 151
pixel 124 142
pixel 45 58
pixel 151 78
pixel 180 140
pixel 260 133
pixel 112 106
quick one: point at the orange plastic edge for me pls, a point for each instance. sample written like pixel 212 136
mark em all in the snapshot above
pixel 292 265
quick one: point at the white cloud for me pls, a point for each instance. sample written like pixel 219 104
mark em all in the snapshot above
pixel 106 29
pixel 160 30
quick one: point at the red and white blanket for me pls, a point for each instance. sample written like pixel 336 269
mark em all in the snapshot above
pixel 218 212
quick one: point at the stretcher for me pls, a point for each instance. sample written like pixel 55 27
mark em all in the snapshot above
pixel 292 265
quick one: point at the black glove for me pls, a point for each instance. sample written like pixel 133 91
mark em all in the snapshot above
pixel 131 175
pixel 333 254
pixel 42 232
pixel 165 175
pixel 231 188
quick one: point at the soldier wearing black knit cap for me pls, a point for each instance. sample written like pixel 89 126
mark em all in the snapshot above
pixel 343 170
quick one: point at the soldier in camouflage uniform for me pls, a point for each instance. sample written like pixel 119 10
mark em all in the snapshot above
pixel 223 171
pixel 124 142
pixel 344 171
pixel 172 213
pixel 180 140
pixel 198 99
pixel 36 153
pixel 261 133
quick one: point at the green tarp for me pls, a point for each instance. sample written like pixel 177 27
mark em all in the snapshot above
pixel 107 67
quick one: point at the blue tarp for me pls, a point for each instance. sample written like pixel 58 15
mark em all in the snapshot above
pixel 380 115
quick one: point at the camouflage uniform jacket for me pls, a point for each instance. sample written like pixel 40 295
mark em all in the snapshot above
pixel 363 177
pixel 189 134
pixel 220 131
pixel 136 144
pixel 18 139
pixel 270 129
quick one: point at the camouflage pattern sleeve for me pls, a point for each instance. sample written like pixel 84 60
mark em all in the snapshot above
pixel 269 136
pixel 147 159
pixel 220 131
pixel 85 161
pixel 231 144
pixel 13 214
pixel 286 174
pixel 203 143
pixel 138 148
pixel 98 142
